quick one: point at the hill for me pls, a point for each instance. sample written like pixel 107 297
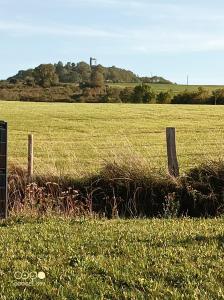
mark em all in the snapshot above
pixel 79 73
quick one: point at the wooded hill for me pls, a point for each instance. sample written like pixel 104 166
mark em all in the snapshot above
pixel 78 73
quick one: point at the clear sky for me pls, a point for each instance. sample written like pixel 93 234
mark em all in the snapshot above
pixel 171 38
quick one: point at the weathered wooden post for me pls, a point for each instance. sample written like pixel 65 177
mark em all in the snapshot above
pixel 30 156
pixel 3 170
pixel 171 152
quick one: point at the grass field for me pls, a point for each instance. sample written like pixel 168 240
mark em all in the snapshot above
pixel 61 258
pixel 118 259
pixel 175 88
pixel 77 138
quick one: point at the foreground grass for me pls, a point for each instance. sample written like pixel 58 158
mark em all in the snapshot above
pixel 77 138
pixel 117 259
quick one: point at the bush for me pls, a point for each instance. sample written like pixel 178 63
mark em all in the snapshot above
pixel 201 96
pixel 126 95
pixel 143 94
pixel 217 97
pixel 7 94
pixel 164 97
pixel 112 95
pixel 130 188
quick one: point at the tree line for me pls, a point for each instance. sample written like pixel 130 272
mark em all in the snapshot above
pixel 145 94
pixel 97 92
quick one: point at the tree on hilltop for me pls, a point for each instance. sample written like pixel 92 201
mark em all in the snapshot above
pixel 45 75
pixel 97 79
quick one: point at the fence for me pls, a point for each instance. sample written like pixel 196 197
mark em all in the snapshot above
pixel 173 167
pixel 3 170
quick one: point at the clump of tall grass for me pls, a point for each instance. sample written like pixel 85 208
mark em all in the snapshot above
pixel 44 195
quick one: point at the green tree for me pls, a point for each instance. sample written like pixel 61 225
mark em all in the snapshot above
pixel 126 95
pixel 164 97
pixel 59 69
pixel 97 79
pixel 84 71
pixel 202 96
pixel 45 75
pixel 217 97
pixel 143 94
pixel 30 81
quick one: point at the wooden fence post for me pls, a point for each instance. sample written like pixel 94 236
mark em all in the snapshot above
pixel 3 170
pixel 171 152
pixel 30 156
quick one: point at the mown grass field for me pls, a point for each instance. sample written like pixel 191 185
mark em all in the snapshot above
pixel 117 259
pixel 175 88
pixel 77 139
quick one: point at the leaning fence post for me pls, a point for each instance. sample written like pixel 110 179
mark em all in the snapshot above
pixel 3 170
pixel 30 156
pixel 171 152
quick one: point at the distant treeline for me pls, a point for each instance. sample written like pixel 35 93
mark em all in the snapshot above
pixel 145 94
pixel 47 75
pixel 94 92
pixel 84 83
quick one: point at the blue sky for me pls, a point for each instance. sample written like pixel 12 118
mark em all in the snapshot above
pixel 160 37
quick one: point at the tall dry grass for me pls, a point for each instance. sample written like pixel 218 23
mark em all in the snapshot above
pixel 125 188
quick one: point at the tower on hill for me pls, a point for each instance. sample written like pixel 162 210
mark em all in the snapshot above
pixel 93 62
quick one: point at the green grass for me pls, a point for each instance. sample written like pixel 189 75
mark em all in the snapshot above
pixel 175 88
pixel 77 138
pixel 118 259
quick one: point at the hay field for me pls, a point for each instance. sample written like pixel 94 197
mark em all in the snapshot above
pixel 77 139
